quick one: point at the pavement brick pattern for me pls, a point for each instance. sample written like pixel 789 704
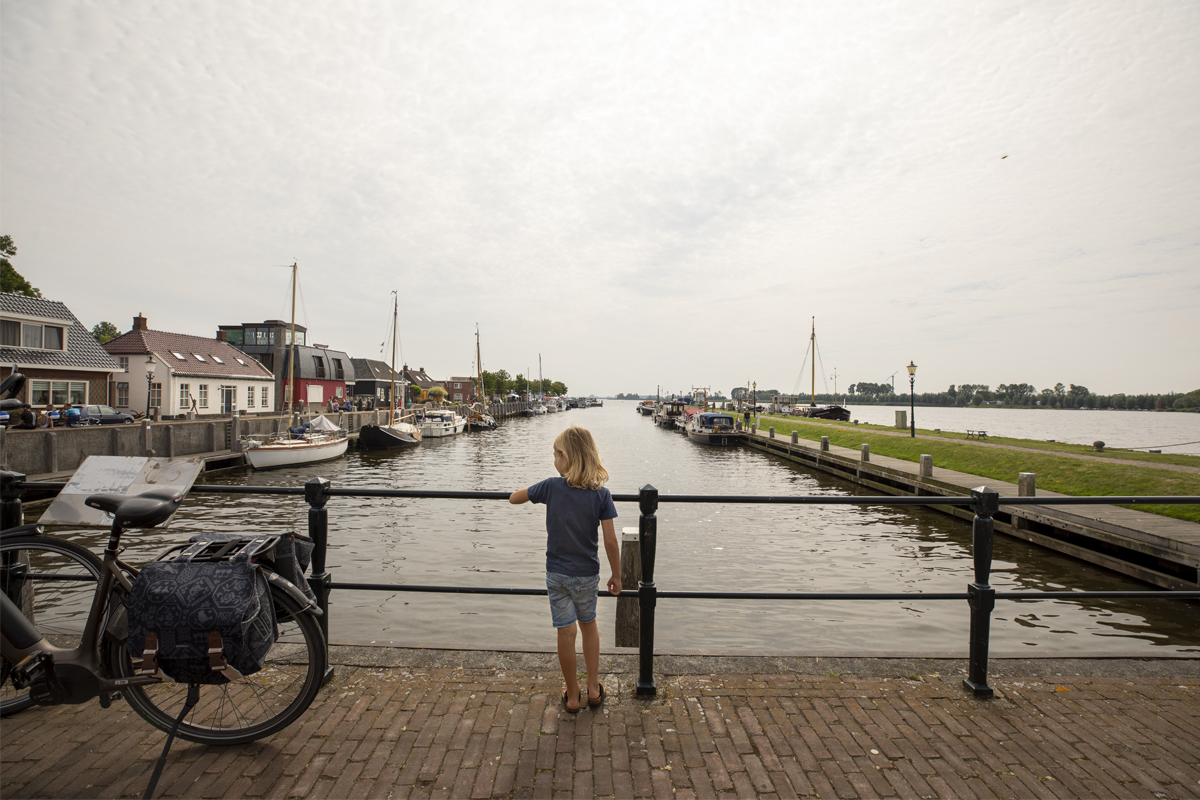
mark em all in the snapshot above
pixel 482 733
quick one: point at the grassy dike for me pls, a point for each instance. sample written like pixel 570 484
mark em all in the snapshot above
pixel 1055 473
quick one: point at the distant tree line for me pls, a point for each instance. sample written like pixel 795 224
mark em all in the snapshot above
pixel 500 384
pixel 1021 394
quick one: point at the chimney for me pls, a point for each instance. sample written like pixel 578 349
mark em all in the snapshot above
pixel 139 323
pixel 222 336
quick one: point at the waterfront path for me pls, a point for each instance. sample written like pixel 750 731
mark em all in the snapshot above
pixel 455 724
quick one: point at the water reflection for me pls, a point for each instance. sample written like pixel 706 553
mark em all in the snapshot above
pixel 717 547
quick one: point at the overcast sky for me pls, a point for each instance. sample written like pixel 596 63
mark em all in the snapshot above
pixel 646 194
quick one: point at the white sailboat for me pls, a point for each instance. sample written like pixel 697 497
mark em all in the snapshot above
pixel 319 440
pixel 396 433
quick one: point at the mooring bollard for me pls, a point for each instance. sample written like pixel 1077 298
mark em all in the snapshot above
pixel 771 432
pixel 647 591
pixel 627 627
pixel 1026 484
pixel 316 494
pixel 980 595
pixel 795 437
pixel 926 466
pixel 825 444
pixel 866 452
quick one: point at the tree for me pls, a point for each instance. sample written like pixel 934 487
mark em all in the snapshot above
pixel 11 280
pixel 105 331
pixel 437 393
pixel 558 388
pixel 520 385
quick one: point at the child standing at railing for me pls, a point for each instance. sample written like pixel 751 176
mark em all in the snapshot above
pixel 576 503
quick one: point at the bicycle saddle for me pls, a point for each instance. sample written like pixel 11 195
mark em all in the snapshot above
pixel 139 511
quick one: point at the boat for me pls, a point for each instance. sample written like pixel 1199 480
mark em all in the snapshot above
pixel 396 433
pixel 478 419
pixel 714 428
pixel 436 423
pixel 315 441
pixel 813 411
pixel 646 408
pixel 670 414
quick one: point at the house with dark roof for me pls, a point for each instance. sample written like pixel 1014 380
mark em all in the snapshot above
pixel 320 373
pixel 419 381
pixel 374 379
pixel 61 360
pixel 460 390
pixel 178 373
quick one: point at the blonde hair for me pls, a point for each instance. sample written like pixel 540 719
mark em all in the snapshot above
pixel 584 470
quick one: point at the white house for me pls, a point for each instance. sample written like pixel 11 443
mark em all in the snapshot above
pixel 178 373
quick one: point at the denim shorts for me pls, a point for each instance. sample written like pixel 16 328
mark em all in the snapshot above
pixel 572 597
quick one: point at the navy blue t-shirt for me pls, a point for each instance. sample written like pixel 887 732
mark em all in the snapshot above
pixel 572 519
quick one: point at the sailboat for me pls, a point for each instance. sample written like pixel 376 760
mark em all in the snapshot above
pixel 319 440
pixel 395 433
pixel 833 412
pixel 478 419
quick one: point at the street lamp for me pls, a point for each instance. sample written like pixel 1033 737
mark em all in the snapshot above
pixel 149 381
pixel 912 404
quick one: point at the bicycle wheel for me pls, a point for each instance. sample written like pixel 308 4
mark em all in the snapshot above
pixel 247 708
pixel 53 582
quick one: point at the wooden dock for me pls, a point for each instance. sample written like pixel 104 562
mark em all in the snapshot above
pixel 1158 550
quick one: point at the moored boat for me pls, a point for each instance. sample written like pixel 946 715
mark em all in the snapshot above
pixel 813 411
pixel 396 433
pixel 319 440
pixel 669 414
pixel 713 428
pixel 437 423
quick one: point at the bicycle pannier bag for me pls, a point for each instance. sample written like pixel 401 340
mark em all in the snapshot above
pixel 289 557
pixel 194 620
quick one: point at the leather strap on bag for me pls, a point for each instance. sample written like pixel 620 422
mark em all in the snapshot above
pixel 150 656
pixel 216 653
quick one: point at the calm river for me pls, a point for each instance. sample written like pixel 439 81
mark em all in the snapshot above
pixel 701 547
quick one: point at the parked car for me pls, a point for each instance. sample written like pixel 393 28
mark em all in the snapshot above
pixel 103 415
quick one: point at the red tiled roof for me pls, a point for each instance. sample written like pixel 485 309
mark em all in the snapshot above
pixel 165 345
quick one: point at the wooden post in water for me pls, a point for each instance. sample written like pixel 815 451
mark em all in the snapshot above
pixel 628 632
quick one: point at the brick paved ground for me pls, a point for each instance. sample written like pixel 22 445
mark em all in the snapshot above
pixel 446 731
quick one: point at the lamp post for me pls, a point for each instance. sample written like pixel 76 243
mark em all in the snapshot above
pixel 149 381
pixel 912 403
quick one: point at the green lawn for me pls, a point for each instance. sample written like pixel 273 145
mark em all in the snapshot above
pixel 1055 473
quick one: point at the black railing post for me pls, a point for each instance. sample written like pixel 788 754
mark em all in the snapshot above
pixel 980 594
pixel 316 494
pixel 12 488
pixel 647 591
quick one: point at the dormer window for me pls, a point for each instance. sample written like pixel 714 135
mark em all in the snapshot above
pixel 180 356
pixel 199 357
pixel 33 335
pixel 217 359
pixel 243 363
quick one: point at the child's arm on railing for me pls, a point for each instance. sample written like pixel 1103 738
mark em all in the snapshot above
pixel 518 497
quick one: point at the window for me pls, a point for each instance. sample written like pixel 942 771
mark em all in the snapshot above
pixel 338 391
pixel 233 335
pixel 457 385
pixel 156 395
pixel 217 359
pixel 199 357
pixel 264 395
pixel 287 336
pixel 32 335
pixel 337 369
pixel 123 395
pixel 319 365
pixel 249 397
pixel 243 363
pixel 57 392
pixel 124 362
pixel 203 395
pixel 178 355
pixel 185 398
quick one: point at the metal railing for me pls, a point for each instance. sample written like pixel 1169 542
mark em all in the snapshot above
pixel 979 594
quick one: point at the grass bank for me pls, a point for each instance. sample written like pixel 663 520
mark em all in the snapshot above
pixel 1056 473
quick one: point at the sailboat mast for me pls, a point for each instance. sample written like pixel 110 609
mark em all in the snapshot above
pixel 392 396
pixel 541 388
pixel 813 343
pixel 479 366
pixel 292 352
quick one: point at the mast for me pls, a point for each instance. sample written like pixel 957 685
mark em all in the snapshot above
pixel 478 365
pixel 392 396
pixel 813 342
pixel 292 352
pixel 541 388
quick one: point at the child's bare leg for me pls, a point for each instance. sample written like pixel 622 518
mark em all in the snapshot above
pixel 566 660
pixel 591 656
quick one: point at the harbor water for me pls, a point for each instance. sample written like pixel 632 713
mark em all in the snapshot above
pixel 701 547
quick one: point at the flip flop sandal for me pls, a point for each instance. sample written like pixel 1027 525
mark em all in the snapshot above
pixel 570 710
pixel 593 703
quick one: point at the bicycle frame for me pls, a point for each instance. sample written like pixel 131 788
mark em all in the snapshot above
pixel 71 675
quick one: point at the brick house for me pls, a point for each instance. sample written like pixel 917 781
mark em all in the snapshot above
pixel 320 373
pixel 187 373
pixel 61 360
pixel 460 390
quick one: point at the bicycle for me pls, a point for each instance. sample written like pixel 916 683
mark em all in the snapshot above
pixel 63 637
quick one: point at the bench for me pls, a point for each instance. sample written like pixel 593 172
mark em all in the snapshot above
pixel 976 434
